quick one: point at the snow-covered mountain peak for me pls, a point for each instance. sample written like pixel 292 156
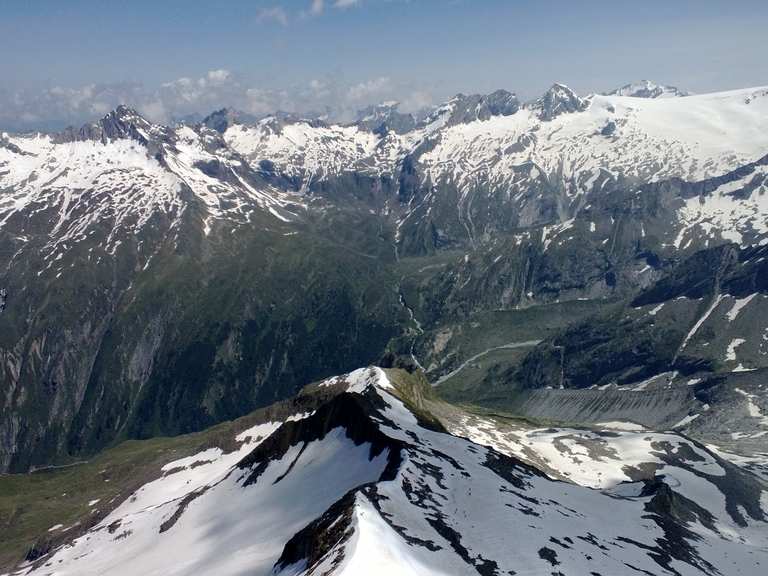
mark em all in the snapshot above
pixel 361 380
pixel 122 176
pixel 487 145
pixel 358 482
pixel 649 89
pixel 121 123
pixel 463 108
pixel 559 99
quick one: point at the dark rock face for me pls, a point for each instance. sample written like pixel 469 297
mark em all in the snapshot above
pixel 499 103
pixel 671 348
pixel 483 107
pixel 121 123
pixel 219 120
pixel 313 542
pixel 357 415
pixel 222 119
pixel 464 108
pixel 199 336
pixel 352 412
pixel 701 275
pixel 609 129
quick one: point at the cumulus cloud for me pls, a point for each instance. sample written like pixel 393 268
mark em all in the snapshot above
pixel 416 101
pixel 366 90
pixel 59 106
pixel 317 7
pixel 195 97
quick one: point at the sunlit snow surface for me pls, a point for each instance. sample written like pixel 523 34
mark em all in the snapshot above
pixel 452 506
pixel 691 138
pixel 74 187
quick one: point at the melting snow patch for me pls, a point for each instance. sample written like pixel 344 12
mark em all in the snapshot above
pixel 752 408
pixel 686 420
pixel 656 309
pixel 733 313
pixel 620 425
pixel 730 353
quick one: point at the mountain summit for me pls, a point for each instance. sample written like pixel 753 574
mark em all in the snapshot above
pixel 648 89
pixel 358 476
pixel 559 99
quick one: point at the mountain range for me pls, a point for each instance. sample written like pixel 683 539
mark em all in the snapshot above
pixel 566 299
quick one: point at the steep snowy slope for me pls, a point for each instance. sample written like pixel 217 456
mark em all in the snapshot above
pixel 734 209
pixel 125 173
pixel 303 148
pixel 369 482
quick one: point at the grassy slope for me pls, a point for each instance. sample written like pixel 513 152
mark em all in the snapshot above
pixel 32 503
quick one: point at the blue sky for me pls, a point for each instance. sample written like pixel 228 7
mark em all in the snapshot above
pixel 64 62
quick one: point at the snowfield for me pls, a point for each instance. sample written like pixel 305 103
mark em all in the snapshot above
pixel 74 188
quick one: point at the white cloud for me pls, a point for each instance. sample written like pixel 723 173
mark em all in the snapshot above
pixel 366 90
pixel 416 101
pixel 316 7
pixel 154 111
pixel 319 88
pixel 258 101
pixel 184 97
pixel 273 14
pixel 219 76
